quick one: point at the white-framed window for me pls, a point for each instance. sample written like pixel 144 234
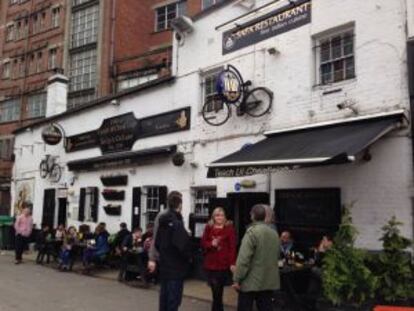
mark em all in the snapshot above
pixel 205 4
pixel 85 24
pixel 10 33
pixel 135 81
pixel 6 147
pixel 55 17
pixel 13 2
pixel 83 70
pixel 335 57
pixel 6 70
pixel 42 24
pixel 154 201
pixel 165 14
pixel 36 23
pixel 32 63
pixel 10 110
pixel 52 61
pixel 88 205
pixel 36 105
pixel 79 2
pixel 201 200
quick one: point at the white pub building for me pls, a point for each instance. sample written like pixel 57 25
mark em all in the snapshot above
pixel 301 104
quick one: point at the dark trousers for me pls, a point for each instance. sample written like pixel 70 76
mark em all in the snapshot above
pixel 217 280
pixel 21 243
pixel 171 295
pixel 263 301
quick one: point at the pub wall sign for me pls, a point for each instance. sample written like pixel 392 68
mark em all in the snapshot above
pixel 52 134
pixel 272 24
pixel 120 133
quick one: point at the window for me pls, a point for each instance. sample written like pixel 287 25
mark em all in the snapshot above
pixel 36 106
pixel 6 148
pixel 335 56
pixel 135 81
pixel 79 2
pixel 15 69
pixel 36 23
pixel 83 70
pixel 55 17
pixel 14 2
pixel 208 3
pixel 22 67
pixel 156 200
pixel 42 23
pixel 32 64
pixel 10 110
pixel 85 26
pixel 165 14
pixel 39 65
pixel 52 59
pixel 201 200
pixel 76 101
pixel 6 70
pixel 10 33
pixel 88 204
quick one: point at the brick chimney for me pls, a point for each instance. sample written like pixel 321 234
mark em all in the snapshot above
pixel 57 94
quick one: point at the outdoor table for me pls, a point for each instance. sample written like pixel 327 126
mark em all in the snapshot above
pixel 294 283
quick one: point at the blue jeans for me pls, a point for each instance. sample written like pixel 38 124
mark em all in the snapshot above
pixel 171 295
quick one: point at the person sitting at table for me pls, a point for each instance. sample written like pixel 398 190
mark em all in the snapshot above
pixel 97 248
pixel 43 247
pixel 120 236
pixel 60 233
pixel 66 254
pixel 315 281
pixel 286 245
pixel 134 253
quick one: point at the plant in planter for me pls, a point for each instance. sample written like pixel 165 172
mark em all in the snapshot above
pixel 114 180
pixel 347 282
pixel 112 210
pixel 393 266
pixel 113 195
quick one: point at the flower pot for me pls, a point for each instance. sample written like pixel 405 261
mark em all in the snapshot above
pixel 117 180
pixel 113 195
pixel 112 210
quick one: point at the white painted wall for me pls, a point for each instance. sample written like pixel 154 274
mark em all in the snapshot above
pixel 381 187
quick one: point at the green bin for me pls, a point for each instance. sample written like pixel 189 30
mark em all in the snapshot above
pixel 6 232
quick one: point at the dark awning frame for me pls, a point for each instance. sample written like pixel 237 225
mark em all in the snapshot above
pixel 119 159
pixel 314 145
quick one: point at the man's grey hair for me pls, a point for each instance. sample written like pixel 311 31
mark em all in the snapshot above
pixel 258 212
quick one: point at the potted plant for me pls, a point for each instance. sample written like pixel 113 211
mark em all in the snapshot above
pixel 348 284
pixel 393 267
pixel 114 180
pixel 112 210
pixel 113 195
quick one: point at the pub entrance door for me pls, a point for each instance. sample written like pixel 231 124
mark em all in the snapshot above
pixel 49 203
pixel 238 206
pixel 62 211
pixel 136 207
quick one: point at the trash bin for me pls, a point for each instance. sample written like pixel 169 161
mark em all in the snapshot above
pixel 6 232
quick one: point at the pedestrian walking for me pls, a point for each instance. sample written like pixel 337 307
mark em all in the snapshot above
pixel 173 245
pixel 23 228
pixel 219 245
pixel 257 273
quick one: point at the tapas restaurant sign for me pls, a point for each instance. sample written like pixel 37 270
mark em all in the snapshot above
pixel 277 22
pixel 120 133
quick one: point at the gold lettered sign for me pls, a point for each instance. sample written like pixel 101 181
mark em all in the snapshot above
pixel 275 23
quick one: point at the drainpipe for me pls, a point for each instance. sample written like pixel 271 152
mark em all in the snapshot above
pixel 410 62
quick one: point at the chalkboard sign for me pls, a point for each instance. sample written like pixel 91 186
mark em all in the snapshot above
pixel 308 207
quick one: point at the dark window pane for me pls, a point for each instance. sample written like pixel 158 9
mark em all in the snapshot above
pixel 349 68
pixel 325 51
pixel 339 70
pixel 326 73
pixel 348 44
pixel 336 47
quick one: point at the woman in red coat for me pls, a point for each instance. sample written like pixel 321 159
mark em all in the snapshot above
pixel 219 244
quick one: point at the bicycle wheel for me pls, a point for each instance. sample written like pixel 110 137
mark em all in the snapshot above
pixel 258 102
pixel 43 169
pixel 215 111
pixel 55 173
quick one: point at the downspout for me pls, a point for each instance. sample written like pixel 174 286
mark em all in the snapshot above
pixel 112 48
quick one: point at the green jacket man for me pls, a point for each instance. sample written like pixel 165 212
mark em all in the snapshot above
pixel 257 270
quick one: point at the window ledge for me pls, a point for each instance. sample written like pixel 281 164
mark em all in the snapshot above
pixel 161 31
pixel 328 87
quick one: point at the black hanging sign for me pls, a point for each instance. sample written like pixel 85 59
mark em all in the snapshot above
pixel 52 134
pixel 275 23
pixel 120 133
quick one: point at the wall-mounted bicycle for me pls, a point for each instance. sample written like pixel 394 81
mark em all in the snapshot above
pixel 49 168
pixel 233 91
